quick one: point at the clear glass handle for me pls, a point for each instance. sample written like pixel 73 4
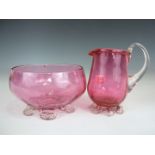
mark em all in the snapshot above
pixel 136 77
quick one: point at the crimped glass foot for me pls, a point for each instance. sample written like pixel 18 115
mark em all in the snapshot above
pixel 68 109
pixel 29 111
pixel 108 111
pixel 47 114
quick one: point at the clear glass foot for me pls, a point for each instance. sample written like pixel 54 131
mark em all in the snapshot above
pixel 47 114
pixel 29 111
pixel 119 110
pixel 68 109
pixel 106 110
pixel 108 113
pixel 96 109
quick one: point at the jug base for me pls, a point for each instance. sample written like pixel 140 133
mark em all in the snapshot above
pixel 108 111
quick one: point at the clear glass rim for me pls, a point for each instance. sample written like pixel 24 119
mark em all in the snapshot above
pixel 22 68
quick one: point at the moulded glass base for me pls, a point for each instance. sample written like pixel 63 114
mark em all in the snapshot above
pixel 47 114
pixel 108 111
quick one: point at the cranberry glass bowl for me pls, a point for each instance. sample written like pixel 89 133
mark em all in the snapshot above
pixel 47 87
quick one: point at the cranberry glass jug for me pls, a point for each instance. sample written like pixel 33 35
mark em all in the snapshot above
pixel 109 82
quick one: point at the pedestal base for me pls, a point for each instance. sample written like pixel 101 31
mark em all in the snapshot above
pixel 49 114
pixel 108 111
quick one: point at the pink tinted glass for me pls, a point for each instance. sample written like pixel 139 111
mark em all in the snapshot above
pixel 108 77
pixel 47 86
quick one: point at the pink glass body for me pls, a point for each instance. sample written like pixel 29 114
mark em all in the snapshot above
pixel 47 86
pixel 108 81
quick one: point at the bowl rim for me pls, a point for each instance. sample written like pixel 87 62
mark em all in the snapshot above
pixel 76 68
